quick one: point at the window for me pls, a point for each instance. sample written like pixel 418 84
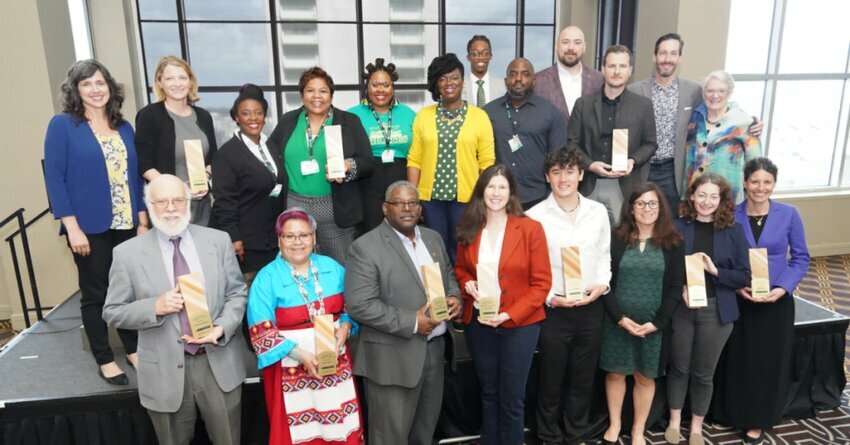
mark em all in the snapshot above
pixel 796 77
pixel 78 11
pixel 270 42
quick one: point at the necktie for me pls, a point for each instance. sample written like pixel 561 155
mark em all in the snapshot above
pixel 181 267
pixel 481 99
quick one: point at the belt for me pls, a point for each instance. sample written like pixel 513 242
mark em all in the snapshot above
pixel 200 351
pixel 662 161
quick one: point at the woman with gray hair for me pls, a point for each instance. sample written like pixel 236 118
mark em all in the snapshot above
pixel 718 138
pixel 93 183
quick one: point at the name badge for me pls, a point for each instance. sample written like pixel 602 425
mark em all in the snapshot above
pixel 388 156
pixel 310 167
pixel 515 143
pixel 276 191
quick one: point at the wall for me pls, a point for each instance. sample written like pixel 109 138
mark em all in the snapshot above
pixel 581 13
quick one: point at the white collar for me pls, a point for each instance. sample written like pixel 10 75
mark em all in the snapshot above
pixel 565 72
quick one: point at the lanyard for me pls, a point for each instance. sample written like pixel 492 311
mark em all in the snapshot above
pixel 264 159
pixel 512 121
pixel 389 130
pixel 310 139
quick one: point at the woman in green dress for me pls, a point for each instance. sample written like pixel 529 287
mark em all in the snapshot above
pixel 647 265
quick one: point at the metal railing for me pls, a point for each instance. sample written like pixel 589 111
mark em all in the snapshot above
pixel 18 215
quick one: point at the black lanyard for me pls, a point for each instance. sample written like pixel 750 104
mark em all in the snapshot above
pixel 310 139
pixel 387 132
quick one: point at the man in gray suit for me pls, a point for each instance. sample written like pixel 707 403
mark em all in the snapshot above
pixel 401 350
pixel 178 374
pixel 568 79
pixel 591 129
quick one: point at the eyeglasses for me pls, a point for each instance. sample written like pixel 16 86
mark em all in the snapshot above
pixel 642 204
pixel 717 92
pixel 399 205
pixel 301 237
pixel 178 203
pixel 477 54
pixel 376 85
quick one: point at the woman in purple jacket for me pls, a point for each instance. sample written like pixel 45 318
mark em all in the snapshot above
pixel 755 372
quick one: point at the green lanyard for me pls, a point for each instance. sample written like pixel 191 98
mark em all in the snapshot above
pixel 310 139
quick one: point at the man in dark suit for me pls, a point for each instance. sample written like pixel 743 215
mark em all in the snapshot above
pixel 594 120
pixel 179 374
pixel 568 79
pixel 401 350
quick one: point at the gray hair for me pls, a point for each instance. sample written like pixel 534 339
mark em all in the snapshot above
pixel 399 184
pixel 722 76
pixel 161 178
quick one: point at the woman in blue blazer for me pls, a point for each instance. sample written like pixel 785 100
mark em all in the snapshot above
pixel 708 227
pixel 94 188
pixel 755 372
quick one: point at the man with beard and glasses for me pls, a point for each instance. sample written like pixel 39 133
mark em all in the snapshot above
pixel 180 375
pixel 526 128
pixel 673 100
pixel 568 79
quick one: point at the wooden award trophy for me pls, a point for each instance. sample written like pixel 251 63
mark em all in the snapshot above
pixel 489 292
pixel 696 281
pixel 435 293
pixel 323 326
pixel 195 167
pixel 571 266
pixel 195 304
pixel 761 277
pixel 620 150
pixel 333 148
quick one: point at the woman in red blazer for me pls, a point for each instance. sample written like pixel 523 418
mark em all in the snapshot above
pixel 494 231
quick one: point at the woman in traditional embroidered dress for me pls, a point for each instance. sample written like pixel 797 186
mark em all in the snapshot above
pixel 285 296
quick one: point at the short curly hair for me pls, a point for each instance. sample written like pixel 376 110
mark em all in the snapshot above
pixel 315 73
pixel 563 158
pixel 440 66
pixel 69 93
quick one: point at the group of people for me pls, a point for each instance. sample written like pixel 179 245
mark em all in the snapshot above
pixel 510 176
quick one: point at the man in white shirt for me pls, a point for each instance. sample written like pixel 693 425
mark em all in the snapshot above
pixel 571 335
pixel 479 88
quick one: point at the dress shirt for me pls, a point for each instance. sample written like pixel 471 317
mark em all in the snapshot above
pixel 419 255
pixel 606 127
pixel 187 248
pixel 571 85
pixel 591 232
pixel 471 88
pixel 665 104
pixel 260 151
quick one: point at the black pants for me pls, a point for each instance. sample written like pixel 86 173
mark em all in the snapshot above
pixel 93 276
pixel 570 341
pixel 375 188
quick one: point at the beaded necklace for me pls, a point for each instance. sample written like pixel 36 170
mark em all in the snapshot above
pixel 299 280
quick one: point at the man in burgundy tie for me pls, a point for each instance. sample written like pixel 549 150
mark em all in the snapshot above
pixel 180 375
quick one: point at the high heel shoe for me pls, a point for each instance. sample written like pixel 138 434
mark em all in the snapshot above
pixel 120 379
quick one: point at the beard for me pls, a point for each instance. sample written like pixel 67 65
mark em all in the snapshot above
pixel 570 63
pixel 171 230
pixel 521 95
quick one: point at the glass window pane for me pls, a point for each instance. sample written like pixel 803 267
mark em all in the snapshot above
pixel 410 47
pixel 800 54
pixel 325 10
pixel 502 42
pixel 219 104
pixel 226 10
pixel 158 9
pixel 415 99
pixel 493 11
pixel 747 43
pixel 749 96
pixel 540 11
pixel 400 11
pixel 331 46
pixel 342 100
pixel 538 43
pixel 804 142
pixel 230 53
pixel 160 39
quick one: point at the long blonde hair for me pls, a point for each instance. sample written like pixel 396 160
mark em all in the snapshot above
pixel 180 63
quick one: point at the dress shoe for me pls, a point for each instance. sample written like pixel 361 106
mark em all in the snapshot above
pixel 603 441
pixel 127 359
pixel 671 435
pixel 120 379
pixel 754 440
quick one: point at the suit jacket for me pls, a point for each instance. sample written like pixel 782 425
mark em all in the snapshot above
pixel 732 260
pixel 495 88
pixel 383 291
pixel 690 96
pixel 347 199
pixel 547 84
pixel 633 113
pixel 76 178
pixel 525 275
pixel 783 231
pixel 241 186
pixel 138 276
pixel 155 137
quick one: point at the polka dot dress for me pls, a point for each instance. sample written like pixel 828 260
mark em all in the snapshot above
pixel 445 177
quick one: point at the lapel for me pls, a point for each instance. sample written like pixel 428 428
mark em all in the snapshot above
pixel 741 216
pixel 207 256
pixel 688 232
pixel 510 241
pixel 391 238
pixel 586 82
pixel 154 268
pixel 597 109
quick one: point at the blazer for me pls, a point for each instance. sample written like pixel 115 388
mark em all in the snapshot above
pixel 383 291
pixel 138 276
pixel 783 231
pixel 241 186
pixel 76 178
pixel 690 96
pixel 634 113
pixel 547 84
pixel 155 137
pixel 347 199
pixel 525 275
pixel 732 260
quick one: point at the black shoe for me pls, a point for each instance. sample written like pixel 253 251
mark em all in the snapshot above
pixel 120 379
pixel 602 441
pixel 753 440
pixel 127 359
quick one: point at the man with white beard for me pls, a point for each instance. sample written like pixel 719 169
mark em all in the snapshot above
pixel 180 375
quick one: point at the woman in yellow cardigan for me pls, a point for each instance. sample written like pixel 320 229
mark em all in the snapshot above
pixel 452 144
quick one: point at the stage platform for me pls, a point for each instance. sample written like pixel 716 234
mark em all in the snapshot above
pixel 50 392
